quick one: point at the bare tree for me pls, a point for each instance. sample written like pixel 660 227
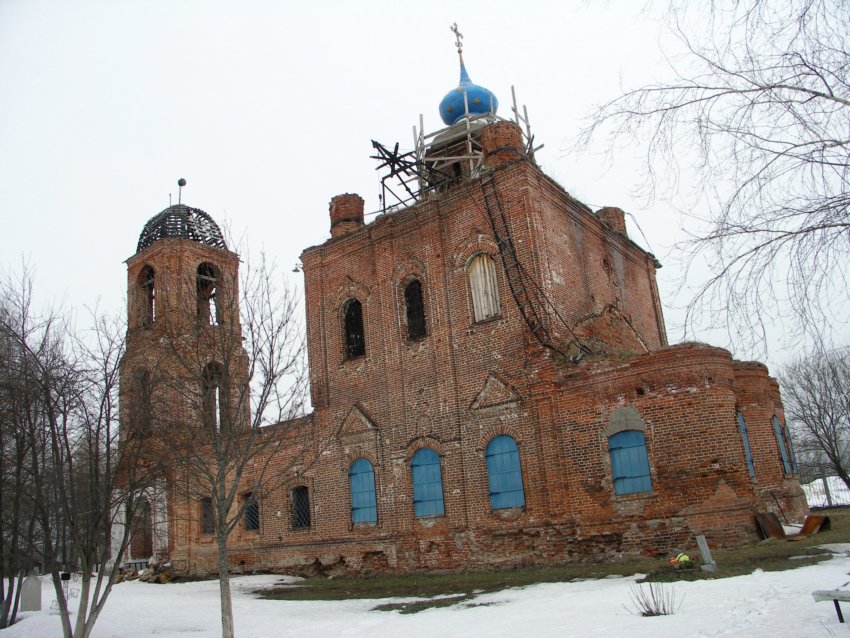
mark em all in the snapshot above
pixel 239 370
pixel 760 100
pixel 63 390
pixel 817 403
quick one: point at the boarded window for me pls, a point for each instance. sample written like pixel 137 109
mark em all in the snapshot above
pixel 415 310
pixel 300 507
pixel 361 476
pixel 485 291
pixel 251 512
pixel 780 439
pixel 504 473
pixel 355 343
pixel 214 399
pixel 207 516
pixel 427 483
pixel 745 437
pixel 629 462
pixel 207 284
pixel 148 296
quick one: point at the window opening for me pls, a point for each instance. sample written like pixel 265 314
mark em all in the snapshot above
pixel 504 473
pixel 207 287
pixel 745 437
pixel 355 344
pixel 207 516
pixel 485 290
pixel 780 439
pixel 415 310
pixel 364 508
pixel 141 543
pixel 251 509
pixel 214 408
pixel 629 462
pixel 300 507
pixel 147 280
pixel 427 483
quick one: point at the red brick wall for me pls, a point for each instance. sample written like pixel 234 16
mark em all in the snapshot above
pixel 466 382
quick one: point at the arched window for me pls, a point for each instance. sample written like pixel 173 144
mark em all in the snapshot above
pixel 745 437
pixel 427 483
pixel 147 282
pixel 214 398
pixel 415 310
pixel 141 401
pixel 787 459
pixel 251 512
pixel 629 462
pixel 207 516
pixel 361 476
pixel 485 290
pixel 504 473
pixel 300 507
pixel 355 343
pixel 207 284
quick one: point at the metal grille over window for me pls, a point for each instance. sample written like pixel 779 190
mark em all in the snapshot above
pixel 252 512
pixel 355 344
pixel 504 473
pixel 363 505
pixel 207 516
pixel 629 462
pixel 745 437
pixel 485 291
pixel 415 310
pixel 427 483
pixel 300 507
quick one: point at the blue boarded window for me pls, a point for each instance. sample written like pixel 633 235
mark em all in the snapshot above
pixel 427 483
pixel 780 439
pixel 362 479
pixel 742 426
pixel 504 473
pixel 629 462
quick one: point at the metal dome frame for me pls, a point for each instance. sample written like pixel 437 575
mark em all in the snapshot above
pixel 182 222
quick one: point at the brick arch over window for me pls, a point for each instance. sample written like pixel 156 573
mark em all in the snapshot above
pixel 147 296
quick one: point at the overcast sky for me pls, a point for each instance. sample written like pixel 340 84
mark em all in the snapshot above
pixel 267 109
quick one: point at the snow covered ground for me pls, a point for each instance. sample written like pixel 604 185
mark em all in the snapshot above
pixel 816 495
pixel 773 604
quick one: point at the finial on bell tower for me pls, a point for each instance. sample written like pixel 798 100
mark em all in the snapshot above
pixel 180 184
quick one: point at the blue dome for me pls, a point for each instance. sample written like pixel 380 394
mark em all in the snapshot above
pixel 478 98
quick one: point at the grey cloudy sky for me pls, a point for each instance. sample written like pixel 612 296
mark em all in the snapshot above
pixel 267 108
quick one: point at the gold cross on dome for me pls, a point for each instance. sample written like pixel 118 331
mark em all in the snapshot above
pixel 458 36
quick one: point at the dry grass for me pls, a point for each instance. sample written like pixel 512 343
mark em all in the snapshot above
pixel 443 589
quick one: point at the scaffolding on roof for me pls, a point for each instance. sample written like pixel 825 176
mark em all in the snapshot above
pixel 441 158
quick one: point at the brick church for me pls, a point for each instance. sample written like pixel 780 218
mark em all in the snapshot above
pixel 490 378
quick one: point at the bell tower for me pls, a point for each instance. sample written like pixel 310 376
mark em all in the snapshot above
pixel 184 366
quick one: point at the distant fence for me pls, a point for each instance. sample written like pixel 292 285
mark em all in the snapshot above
pixel 827 492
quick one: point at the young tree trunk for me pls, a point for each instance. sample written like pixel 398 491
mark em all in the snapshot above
pixel 224 585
